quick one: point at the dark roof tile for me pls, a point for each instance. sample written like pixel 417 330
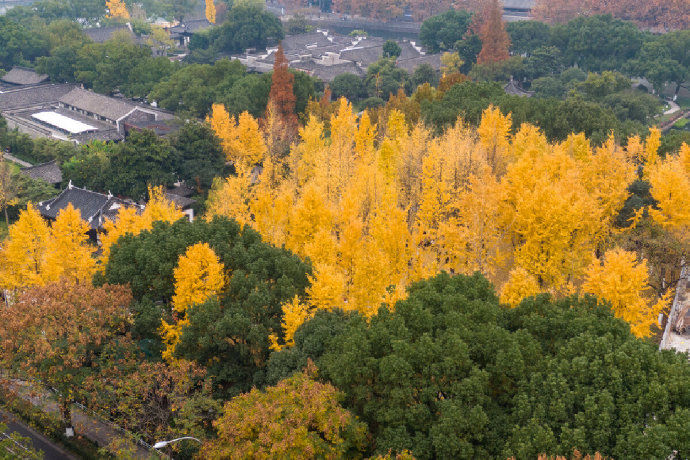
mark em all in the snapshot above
pixel 23 76
pixel 48 172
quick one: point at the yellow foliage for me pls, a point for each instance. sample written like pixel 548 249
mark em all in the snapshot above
pixel 241 138
pixel 117 9
pixel 24 252
pixel 521 284
pixel 199 275
pixel 68 253
pixel 211 11
pixel 376 213
pixel 134 220
pixel 294 314
pixel 623 282
pixel 670 187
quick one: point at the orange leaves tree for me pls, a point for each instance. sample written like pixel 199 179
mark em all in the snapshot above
pixel 495 40
pixel 59 334
pixel 298 417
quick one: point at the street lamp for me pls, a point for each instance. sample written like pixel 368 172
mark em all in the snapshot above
pixel 161 444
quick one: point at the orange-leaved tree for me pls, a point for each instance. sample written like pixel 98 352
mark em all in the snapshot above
pixel 492 32
pixel 623 282
pixel 59 334
pixel 297 418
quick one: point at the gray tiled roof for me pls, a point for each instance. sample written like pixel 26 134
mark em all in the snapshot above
pixel 518 4
pixel 434 60
pixel 103 34
pixel 301 41
pixel 190 27
pixel 94 207
pixel 108 107
pixel 32 95
pixel 180 201
pixel 328 72
pixel 23 76
pixel 363 56
pixel 48 172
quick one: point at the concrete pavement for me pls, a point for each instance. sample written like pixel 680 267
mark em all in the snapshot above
pixel 51 451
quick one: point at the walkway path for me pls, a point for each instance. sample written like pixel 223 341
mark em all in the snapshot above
pixel 14 159
pixel 99 431
pixel 672 109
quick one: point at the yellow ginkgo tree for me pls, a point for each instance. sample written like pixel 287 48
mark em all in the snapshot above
pixel 199 275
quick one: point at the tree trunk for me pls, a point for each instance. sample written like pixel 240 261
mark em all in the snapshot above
pixel 66 413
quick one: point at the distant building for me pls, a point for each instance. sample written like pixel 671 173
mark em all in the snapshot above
pixel 325 56
pixel 69 113
pixel 103 34
pixel 95 208
pixel 22 76
pixel 182 33
pixel 47 172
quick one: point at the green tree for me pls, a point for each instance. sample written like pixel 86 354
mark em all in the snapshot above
pixel 665 59
pixel 246 27
pixel 144 160
pixel 384 78
pixel 250 94
pixel 228 336
pixel 527 36
pixel 597 43
pixel 193 88
pixel 441 32
pixel 424 73
pixel 200 154
pixel 391 49
pixel 451 374
pixel 349 86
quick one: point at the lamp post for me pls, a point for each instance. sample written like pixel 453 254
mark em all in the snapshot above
pixel 161 444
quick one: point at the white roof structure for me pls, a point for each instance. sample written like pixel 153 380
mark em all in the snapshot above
pixel 62 122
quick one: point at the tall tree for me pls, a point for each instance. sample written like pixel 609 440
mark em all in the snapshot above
pixel 495 40
pixel 211 11
pixel 8 191
pixel 58 334
pixel 23 254
pixel 282 99
pixel 68 252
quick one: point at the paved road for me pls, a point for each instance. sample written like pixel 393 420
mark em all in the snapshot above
pixel 50 450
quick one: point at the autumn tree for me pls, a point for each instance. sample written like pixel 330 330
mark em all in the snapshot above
pixel 199 275
pixel 23 254
pixel 117 9
pixel 495 40
pixel 133 220
pixel 211 11
pixel 59 334
pixel 68 252
pixel 298 417
pixel 281 120
pixel 241 137
pixel 623 282
pixel 8 190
